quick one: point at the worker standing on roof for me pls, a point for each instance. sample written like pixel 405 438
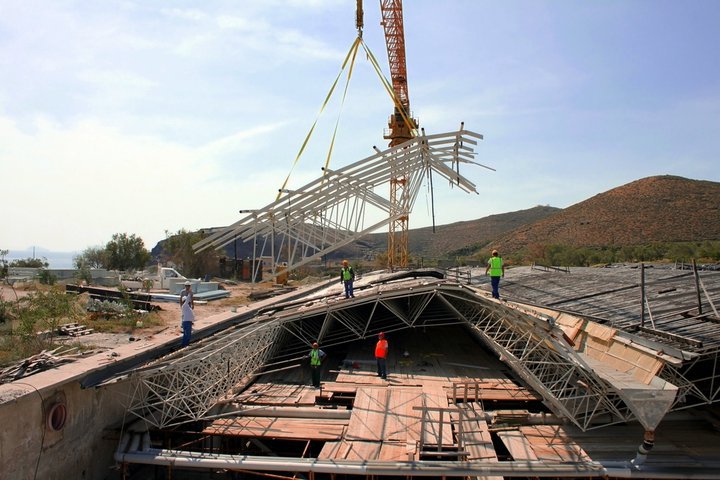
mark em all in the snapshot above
pixel 187 315
pixel 496 268
pixel 347 277
pixel 316 358
pixel 381 351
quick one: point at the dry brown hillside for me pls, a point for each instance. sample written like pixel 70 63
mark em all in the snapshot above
pixel 653 209
pixel 451 238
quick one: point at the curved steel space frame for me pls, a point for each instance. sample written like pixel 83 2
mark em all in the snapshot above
pixel 343 205
pixel 698 380
pixel 569 386
pixel 185 386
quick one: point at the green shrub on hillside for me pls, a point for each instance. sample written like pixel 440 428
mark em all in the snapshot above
pixel 707 251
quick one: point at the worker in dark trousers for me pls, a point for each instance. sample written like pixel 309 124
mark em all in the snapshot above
pixel 347 277
pixel 381 351
pixel 316 358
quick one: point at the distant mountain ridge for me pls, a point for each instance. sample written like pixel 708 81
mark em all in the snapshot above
pixel 654 209
pixel 460 238
pixel 650 210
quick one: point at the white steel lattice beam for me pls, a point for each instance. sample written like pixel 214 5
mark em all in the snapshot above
pixel 185 385
pixel 343 205
pixel 571 388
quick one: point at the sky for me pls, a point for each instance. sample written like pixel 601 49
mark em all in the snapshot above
pixel 148 117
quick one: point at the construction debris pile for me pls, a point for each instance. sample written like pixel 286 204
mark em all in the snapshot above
pixel 44 360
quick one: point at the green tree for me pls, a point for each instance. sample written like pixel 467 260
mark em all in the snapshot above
pixel 3 263
pixel 125 252
pixel 30 263
pixel 179 248
pixel 91 257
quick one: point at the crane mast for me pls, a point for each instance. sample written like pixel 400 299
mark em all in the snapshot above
pixel 402 127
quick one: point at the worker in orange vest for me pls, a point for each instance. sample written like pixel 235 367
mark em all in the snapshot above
pixel 381 350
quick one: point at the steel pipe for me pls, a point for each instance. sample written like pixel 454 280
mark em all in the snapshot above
pixel 187 460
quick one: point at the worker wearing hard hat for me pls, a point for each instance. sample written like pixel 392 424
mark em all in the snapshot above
pixel 347 277
pixel 381 351
pixel 316 358
pixel 496 268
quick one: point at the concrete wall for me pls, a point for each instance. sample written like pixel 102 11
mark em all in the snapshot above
pixel 82 449
pixel 99 276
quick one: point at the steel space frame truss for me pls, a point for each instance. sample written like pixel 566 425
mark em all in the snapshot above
pixel 698 380
pixel 538 353
pixel 182 388
pixel 343 205
pixel 185 385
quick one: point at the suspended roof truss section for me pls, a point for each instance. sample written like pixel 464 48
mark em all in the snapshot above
pixel 345 204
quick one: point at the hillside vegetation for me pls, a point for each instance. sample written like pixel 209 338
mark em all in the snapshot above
pixel 661 209
pixel 459 238
pixel 659 217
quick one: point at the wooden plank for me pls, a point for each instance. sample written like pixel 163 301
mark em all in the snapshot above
pixel 368 415
pixel 436 431
pixel 542 442
pixel 493 390
pixel 394 415
pixel 279 394
pixel 360 451
pixel 518 446
pixel 551 443
pixel 286 428
pixel 473 434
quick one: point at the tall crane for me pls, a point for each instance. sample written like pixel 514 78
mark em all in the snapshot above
pixel 401 125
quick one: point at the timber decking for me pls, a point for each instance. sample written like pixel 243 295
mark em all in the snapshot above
pixel 411 414
pixel 274 427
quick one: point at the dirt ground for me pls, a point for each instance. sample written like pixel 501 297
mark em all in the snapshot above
pixel 168 313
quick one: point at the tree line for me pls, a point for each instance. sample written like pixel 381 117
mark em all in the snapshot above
pixel 565 255
pixel 127 252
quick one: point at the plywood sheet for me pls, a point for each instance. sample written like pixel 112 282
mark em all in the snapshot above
pixel 279 394
pixel 393 414
pixel 385 451
pixel 547 443
pixel 287 428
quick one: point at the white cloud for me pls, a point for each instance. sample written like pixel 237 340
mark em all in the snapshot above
pixel 193 14
pixel 142 117
pixel 76 186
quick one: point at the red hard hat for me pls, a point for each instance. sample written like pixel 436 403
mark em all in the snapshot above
pixel 381 334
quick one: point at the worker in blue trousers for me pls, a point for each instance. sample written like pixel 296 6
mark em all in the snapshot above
pixel 496 268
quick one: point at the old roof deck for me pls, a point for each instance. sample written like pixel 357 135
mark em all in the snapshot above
pixel 433 408
pixel 403 307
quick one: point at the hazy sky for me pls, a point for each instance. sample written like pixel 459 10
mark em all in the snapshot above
pixel 150 116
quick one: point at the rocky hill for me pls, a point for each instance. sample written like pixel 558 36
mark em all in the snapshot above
pixel 653 209
pixel 650 210
pixel 457 238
